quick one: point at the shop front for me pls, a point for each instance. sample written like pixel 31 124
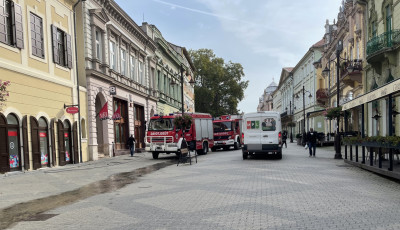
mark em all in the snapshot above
pixel 121 123
pixel 10 154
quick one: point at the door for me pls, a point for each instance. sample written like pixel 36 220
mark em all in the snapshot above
pixel 61 144
pixel 269 130
pixel 121 125
pixel 252 132
pixel 75 142
pixel 4 156
pixel 36 156
pixel 139 126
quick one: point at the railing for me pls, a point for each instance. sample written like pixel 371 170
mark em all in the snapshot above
pixel 385 40
pixel 372 152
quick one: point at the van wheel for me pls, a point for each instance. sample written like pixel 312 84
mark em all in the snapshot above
pixel 279 155
pixel 236 145
pixel 245 155
pixel 155 155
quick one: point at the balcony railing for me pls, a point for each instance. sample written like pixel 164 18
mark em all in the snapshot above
pixel 383 41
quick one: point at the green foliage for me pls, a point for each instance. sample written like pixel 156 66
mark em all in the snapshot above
pixel 3 92
pixel 379 140
pixel 335 112
pixel 219 86
pixel 184 121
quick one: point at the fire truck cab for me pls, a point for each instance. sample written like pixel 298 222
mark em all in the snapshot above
pixel 163 137
pixel 227 132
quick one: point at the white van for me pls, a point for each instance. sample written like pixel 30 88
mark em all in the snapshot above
pixel 262 134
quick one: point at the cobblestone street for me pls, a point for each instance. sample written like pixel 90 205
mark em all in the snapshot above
pixel 222 191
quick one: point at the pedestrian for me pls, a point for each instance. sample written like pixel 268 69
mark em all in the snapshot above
pixel 131 144
pixel 284 137
pixel 312 141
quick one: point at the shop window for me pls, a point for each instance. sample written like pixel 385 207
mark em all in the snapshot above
pixel 13 142
pixel 44 143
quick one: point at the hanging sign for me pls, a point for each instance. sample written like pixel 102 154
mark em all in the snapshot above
pixel 72 110
pixel 117 114
pixel 103 114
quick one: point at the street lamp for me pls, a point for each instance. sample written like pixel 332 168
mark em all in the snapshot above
pixel 304 111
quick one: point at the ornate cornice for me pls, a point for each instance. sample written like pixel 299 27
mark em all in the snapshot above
pixel 114 11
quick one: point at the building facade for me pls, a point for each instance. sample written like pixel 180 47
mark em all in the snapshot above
pixel 286 90
pixel 120 66
pixel 37 55
pixel 304 88
pixel 266 100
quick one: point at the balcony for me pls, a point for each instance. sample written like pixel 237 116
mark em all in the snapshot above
pixel 381 47
pixel 322 96
pixel 351 72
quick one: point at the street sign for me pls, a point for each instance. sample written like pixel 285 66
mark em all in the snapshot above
pixel 72 110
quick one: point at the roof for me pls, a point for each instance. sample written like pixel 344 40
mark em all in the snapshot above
pixel 319 43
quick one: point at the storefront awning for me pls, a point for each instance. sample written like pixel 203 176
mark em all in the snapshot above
pixel 373 95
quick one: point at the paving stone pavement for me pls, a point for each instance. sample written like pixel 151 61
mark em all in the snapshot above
pixel 222 191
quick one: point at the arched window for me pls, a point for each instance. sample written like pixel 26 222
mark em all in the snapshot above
pixel 13 143
pixel 44 143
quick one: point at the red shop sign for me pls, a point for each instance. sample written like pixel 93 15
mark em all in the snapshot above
pixel 72 110
pixel 43 134
pixel 65 134
pixel 12 133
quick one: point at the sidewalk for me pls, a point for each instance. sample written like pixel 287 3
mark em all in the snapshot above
pixel 18 187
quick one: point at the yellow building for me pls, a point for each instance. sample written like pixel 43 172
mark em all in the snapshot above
pixel 37 55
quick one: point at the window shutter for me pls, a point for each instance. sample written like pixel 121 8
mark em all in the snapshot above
pixel 3 26
pixel 61 143
pixel 56 59
pixel 25 142
pixel 17 25
pixel 68 50
pixel 75 142
pixel 4 155
pixel 36 155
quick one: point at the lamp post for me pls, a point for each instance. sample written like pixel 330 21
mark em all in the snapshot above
pixel 304 111
pixel 339 48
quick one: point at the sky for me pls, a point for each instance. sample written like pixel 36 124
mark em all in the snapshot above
pixel 264 36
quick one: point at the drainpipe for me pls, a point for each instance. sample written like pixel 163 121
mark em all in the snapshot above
pixel 77 82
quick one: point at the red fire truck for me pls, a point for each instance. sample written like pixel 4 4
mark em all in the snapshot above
pixel 227 132
pixel 163 137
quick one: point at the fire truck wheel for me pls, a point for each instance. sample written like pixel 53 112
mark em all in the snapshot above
pixel 155 155
pixel 204 151
pixel 236 145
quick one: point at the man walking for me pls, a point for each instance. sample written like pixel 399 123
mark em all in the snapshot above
pixel 284 137
pixel 131 144
pixel 312 141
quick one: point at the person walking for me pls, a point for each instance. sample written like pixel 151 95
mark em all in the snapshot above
pixel 284 137
pixel 131 144
pixel 312 141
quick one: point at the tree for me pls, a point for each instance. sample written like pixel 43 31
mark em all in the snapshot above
pixel 3 92
pixel 219 86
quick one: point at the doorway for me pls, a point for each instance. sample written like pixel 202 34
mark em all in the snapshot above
pixel 139 126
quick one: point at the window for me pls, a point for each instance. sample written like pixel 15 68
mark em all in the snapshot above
pixel 132 66
pixel 141 73
pixel 123 62
pixel 98 45
pixel 37 36
pixel 11 31
pixel 83 128
pixel 112 55
pixel 374 32
pixel 62 52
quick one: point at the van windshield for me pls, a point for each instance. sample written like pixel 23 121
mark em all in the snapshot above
pixel 161 124
pixel 222 126
pixel 268 124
